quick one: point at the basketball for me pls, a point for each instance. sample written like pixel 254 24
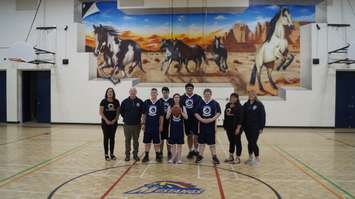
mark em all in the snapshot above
pixel 176 110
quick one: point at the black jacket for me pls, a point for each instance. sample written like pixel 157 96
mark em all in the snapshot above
pixel 233 116
pixel 132 110
pixel 254 116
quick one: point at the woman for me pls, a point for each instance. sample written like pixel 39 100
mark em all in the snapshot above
pixel 253 125
pixel 233 117
pixel 176 114
pixel 109 112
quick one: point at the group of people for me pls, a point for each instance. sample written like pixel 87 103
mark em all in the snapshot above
pixel 167 120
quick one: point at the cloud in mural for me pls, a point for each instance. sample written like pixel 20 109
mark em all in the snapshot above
pixel 220 17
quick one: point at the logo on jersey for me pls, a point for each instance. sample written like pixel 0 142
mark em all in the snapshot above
pixel 189 103
pixel 228 110
pixel 206 111
pixel 176 118
pixel 166 106
pixel 167 187
pixel 111 107
pixel 255 107
pixel 152 111
pixel 137 104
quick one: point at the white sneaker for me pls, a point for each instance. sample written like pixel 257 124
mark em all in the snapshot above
pixel 254 162
pixel 248 161
pixel 179 162
pixel 171 161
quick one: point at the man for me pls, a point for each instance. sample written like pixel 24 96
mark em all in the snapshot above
pixel 207 112
pixel 166 101
pixel 190 101
pixel 131 111
pixel 152 124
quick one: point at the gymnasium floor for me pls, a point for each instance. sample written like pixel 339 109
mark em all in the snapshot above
pixel 66 161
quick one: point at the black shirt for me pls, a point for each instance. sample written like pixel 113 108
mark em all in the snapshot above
pixel 132 110
pixel 254 115
pixel 110 108
pixel 233 116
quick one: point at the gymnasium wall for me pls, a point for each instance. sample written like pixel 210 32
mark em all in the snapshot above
pixel 75 98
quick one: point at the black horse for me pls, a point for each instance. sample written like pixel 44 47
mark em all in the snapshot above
pixel 220 54
pixel 186 53
pixel 171 54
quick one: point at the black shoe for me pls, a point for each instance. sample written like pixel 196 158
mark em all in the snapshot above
pixel 169 155
pixel 145 159
pixel 195 153
pixel 113 157
pixel 215 160
pixel 158 157
pixel 107 158
pixel 136 158
pixel 128 158
pixel 198 159
pixel 190 155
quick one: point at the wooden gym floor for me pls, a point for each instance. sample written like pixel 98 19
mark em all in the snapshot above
pixel 66 161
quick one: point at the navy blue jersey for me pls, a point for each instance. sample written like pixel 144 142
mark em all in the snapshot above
pixel 190 102
pixel 166 103
pixel 208 110
pixel 176 128
pixel 152 112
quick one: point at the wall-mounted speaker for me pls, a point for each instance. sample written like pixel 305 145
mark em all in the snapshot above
pixel 65 61
pixel 315 61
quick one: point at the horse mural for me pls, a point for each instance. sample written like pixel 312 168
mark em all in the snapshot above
pixel 187 53
pixel 275 47
pixel 171 54
pixel 220 54
pixel 117 53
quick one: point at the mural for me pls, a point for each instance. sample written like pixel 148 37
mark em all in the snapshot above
pixel 258 48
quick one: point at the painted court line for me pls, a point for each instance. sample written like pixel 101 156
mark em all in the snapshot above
pixel 226 154
pixel 219 183
pixel 317 173
pixel 25 138
pixel 309 175
pixel 145 170
pixel 31 169
pixel 119 179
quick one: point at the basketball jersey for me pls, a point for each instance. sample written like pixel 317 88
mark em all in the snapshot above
pixel 176 124
pixel 152 111
pixel 190 102
pixel 166 103
pixel 208 109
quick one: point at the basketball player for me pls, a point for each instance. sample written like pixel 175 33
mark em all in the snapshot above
pixel 167 102
pixel 152 120
pixel 253 125
pixel 109 112
pixel 207 112
pixel 176 115
pixel 190 101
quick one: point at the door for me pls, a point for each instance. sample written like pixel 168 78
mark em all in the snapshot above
pixel 3 111
pixel 43 97
pixel 345 100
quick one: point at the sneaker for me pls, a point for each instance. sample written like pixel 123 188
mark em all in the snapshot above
pixel 195 153
pixel 229 160
pixel 190 155
pixel 254 162
pixel 171 161
pixel 179 162
pixel 237 161
pixel 107 158
pixel 127 158
pixel 215 160
pixel 136 158
pixel 198 159
pixel 158 157
pixel 248 161
pixel 113 157
pixel 145 159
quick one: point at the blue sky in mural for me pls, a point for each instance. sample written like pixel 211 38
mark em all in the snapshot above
pixel 190 23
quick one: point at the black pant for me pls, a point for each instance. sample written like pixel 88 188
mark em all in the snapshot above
pixel 252 137
pixel 109 132
pixel 234 142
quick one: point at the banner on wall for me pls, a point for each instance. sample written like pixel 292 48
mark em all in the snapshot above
pixel 256 49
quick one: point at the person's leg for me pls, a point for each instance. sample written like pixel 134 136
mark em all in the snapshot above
pixel 189 134
pixel 157 143
pixel 128 137
pixel 179 148
pixel 231 140
pixel 168 147
pixel 250 146
pixel 136 131
pixel 238 144
pixel 113 129
pixel 256 147
pixel 173 156
pixel 147 139
pixel 195 144
pixel 105 140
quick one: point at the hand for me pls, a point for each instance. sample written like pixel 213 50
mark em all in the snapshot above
pixel 260 131
pixel 237 131
pixel 107 122
pixel 160 128
pixel 205 121
pixel 143 126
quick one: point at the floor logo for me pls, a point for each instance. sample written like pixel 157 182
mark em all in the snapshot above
pixel 167 187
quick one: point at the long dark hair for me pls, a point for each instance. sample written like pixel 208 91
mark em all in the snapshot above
pixel 113 91
pixel 237 96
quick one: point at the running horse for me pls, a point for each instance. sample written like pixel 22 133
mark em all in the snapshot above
pixel 117 53
pixel 274 48
pixel 220 54
pixel 171 54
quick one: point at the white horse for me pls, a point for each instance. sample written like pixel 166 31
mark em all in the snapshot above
pixel 274 48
